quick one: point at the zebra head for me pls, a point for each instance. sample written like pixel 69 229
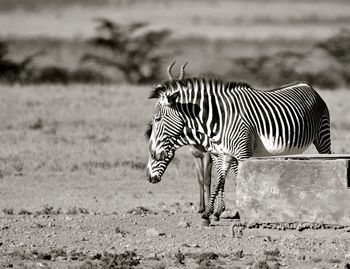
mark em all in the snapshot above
pixel 167 124
pixel 156 168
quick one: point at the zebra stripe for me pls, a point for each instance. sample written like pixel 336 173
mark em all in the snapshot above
pixel 235 121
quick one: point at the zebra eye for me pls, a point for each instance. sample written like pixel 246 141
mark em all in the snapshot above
pixel 157 118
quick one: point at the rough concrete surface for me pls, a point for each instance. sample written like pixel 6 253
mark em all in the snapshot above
pixel 286 189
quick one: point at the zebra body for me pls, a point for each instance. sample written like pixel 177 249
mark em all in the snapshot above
pixel 235 122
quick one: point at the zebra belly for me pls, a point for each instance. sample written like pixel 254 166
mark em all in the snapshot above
pixel 272 146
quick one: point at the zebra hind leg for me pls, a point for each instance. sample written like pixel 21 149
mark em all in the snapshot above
pixel 323 138
pixel 207 166
pixel 199 160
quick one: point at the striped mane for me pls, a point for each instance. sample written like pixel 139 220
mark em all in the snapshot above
pixel 171 85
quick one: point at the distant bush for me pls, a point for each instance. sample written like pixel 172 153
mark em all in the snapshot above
pixel 131 49
pixel 86 75
pixel 26 72
pixel 12 71
pixel 58 74
pixel 324 79
pixel 268 70
pixel 338 46
pixel 51 74
pixel 284 67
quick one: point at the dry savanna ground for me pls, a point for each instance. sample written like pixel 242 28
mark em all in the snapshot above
pixel 73 190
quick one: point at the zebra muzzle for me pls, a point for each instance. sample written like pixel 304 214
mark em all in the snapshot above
pixel 154 179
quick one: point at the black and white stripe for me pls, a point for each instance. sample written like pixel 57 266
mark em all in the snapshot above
pixel 235 121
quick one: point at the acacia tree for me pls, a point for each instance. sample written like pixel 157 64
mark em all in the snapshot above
pixel 131 49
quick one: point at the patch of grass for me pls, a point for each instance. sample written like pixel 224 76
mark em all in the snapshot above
pixel 275 252
pixel 272 255
pixel 140 210
pixel 118 230
pixel 128 259
pixel 48 210
pixel 24 212
pixel 205 260
pixel 179 257
pixel 261 265
pixel 37 125
pixel 77 210
pixel 125 260
pixel 8 211
pixel 35 254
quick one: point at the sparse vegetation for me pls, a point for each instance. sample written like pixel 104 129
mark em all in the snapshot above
pixel 48 210
pixel 24 212
pixel 8 211
pixel 77 210
pixel 179 257
pixel 140 210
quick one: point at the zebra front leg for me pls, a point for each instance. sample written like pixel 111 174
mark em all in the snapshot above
pixel 209 210
pixel 221 202
pixel 221 195
pixel 222 164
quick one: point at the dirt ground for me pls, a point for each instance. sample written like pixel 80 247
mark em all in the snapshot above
pixel 73 191
pixel 167 238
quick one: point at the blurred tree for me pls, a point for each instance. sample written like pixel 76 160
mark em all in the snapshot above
pixel 132 50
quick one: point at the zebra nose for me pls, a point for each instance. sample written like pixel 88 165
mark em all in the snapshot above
pixel 154 179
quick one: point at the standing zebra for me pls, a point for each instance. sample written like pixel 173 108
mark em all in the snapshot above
pixel 202 159
pixel 237 122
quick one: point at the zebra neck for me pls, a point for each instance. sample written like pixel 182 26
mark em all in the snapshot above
pixel 195 138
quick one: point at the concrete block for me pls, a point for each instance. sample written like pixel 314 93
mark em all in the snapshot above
pixel 300 188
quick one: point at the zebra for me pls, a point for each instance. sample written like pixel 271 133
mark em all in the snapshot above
pixel 203 160
pixel 237 122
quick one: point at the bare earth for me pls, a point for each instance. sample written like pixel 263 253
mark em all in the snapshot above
pixel 161 240
pixel 73 191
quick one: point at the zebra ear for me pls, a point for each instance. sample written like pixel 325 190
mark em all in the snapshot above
pixel 172 99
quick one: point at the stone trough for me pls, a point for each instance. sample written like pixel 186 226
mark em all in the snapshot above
pixel 299 188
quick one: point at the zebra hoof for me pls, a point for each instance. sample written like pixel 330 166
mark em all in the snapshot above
pixel 216 218
pixel 205 223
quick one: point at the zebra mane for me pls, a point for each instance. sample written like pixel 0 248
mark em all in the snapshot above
pixel 148 131
pixel 171 85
